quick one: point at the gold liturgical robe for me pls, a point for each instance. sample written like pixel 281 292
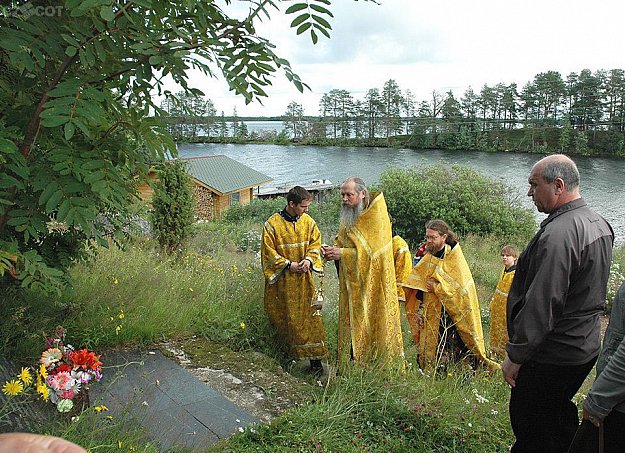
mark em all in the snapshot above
pixel 369 316
pixel 498 323
pixel 456 292
pixel 403 264
pixel 288 295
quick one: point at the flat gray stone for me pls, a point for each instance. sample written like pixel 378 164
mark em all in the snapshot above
pixel 175 408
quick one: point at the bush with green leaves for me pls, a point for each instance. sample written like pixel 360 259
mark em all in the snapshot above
pixel 466 200
pixel 258 210
pixel 325 212
pixel 172 207
pixel 80 121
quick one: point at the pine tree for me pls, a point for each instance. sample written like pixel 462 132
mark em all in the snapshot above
pixel 173 207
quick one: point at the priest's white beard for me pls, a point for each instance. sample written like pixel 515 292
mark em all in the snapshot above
pixel 349 214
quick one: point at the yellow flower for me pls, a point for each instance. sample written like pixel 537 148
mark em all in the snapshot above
pixel 119 444
pixel 191 289
pixel 242 325
pixel 115 281
pixel 117 329
pixel 13 388
pixel 101 408
pixel 121 314
pixel 25 376
pixel 43 372
pixel 43 390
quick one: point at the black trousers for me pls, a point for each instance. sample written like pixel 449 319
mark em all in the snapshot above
pixel 587 437
pixel 543 417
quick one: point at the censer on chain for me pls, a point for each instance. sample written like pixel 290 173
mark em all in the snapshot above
pixel 318 296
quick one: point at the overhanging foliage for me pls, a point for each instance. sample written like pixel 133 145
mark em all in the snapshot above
pixel 78 124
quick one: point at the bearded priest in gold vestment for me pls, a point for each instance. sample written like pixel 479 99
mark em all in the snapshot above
pixel 369 315
pixel 290 252
pixel 442 306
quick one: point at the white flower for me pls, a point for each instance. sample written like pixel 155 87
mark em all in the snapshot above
pixel 480 399
pixel 64 405
pixel 494 412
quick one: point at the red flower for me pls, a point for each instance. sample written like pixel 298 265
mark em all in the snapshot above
pixel 94 362
pixel 68 394
pixel 79 358
pixel 62 367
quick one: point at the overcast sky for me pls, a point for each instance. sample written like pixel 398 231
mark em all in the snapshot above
pixel 434 45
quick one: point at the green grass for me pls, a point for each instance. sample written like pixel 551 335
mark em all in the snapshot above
pixel 136 296
pixel 367 410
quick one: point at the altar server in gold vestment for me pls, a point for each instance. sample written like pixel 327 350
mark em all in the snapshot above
pixel 441 302
pixel 499 301
pixel 369 316
pixel 290 252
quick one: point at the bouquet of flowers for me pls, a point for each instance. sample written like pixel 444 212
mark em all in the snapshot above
pixel 64 372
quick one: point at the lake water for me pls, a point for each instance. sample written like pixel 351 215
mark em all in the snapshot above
pixel 601 178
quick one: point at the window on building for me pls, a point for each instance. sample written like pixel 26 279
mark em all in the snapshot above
pixel 235 198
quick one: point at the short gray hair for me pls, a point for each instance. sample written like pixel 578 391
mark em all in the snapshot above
pixel 561 167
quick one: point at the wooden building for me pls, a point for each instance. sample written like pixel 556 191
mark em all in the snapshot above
pixel 218 183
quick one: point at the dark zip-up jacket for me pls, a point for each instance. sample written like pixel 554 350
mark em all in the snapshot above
pixel 559 288
pixel 608 391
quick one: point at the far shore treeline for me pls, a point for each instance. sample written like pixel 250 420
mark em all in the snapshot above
pixel 582 113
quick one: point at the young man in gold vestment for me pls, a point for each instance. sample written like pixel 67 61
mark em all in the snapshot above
pixel 498 324
pixel 290 252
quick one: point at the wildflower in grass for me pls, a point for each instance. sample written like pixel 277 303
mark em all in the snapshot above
pixel 115 281
pixel 101 408
pixel 13 388
pixel 242 325
pixel 191 289
pixel 494 412
pixel 119 444
pixel 117 329
pixel 50 356
pixel 25 376
pixel 480 399
pixel 121 314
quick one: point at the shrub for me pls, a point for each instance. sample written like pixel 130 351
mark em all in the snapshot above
pixel 466 200
pixel 258 210
pixel 173 203
pixel 325 213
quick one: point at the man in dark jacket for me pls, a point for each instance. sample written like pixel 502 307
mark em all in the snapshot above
pixel 604 406
pixel 553 309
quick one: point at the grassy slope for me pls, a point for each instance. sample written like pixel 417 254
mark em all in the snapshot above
pixel 135 297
